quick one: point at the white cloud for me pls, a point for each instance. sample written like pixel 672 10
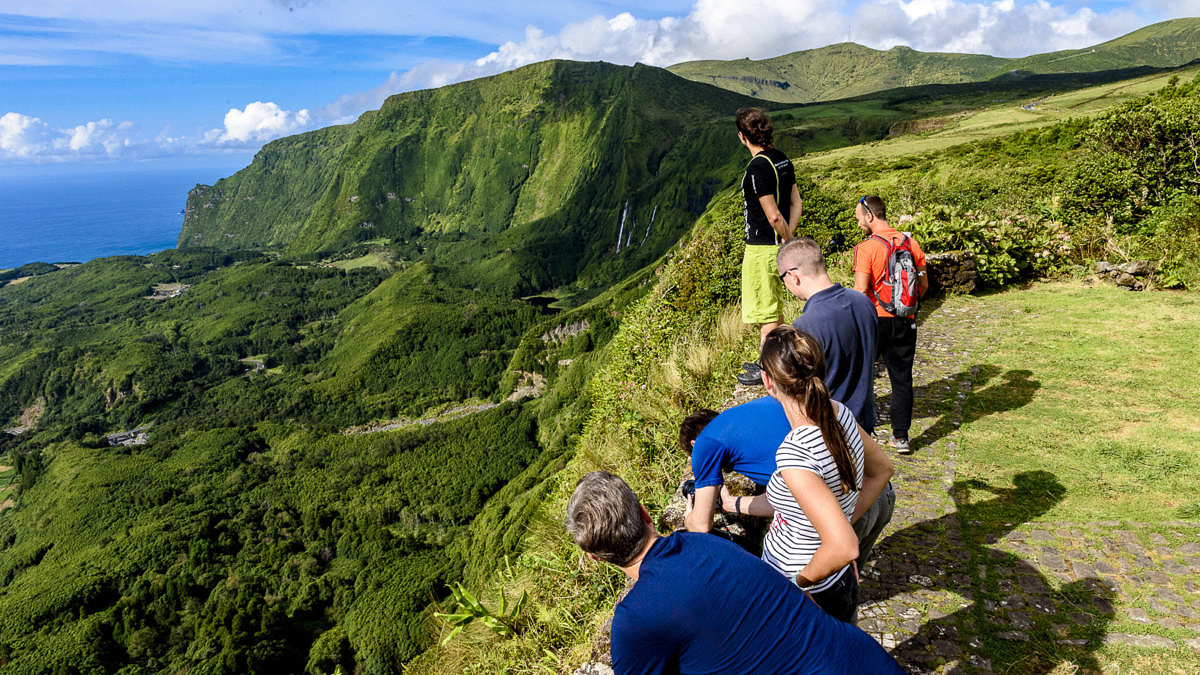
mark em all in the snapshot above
pixel 1000 28
pixel 26 137
pixel 101 137
pixel 715 29
pixel 22 135
pixel 261 122
pixel 720 29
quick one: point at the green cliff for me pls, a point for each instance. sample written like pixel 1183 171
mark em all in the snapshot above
pixel 525 180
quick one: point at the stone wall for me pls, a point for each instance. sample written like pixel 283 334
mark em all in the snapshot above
pixel 952 272
pixel 1133 275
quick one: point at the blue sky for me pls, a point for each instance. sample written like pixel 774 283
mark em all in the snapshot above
pixel 125 81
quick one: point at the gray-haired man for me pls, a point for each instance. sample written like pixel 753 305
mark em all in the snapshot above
pixel 700 604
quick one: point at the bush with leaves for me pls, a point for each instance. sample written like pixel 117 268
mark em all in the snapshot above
pixel 1172 239
pixel 1137 157
pixel 1005 248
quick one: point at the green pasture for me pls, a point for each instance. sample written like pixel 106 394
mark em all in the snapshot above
pixel 368 260
pixel 1099 387
pixel 993 121
pixel 1087 398
pixel 840 109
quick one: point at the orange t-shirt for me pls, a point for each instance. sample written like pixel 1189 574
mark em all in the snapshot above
pixel 870 256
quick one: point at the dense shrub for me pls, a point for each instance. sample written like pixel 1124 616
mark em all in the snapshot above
pixel 1005 249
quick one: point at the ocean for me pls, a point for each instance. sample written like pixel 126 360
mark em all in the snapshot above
pixel 78 217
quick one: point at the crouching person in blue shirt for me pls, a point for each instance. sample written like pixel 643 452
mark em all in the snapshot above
pixel 700 604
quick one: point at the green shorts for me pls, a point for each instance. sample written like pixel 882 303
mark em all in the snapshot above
pixel 762 291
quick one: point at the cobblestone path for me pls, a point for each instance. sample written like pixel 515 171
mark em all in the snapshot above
pixel 966 579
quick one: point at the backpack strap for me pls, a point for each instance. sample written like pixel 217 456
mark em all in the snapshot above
pixel 887 254
pixel 773 170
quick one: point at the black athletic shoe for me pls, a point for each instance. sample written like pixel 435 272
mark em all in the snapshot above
pixel 751 367
pixel 750 379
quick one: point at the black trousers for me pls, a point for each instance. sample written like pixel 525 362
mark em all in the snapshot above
pixel 841 599
pixel 897 346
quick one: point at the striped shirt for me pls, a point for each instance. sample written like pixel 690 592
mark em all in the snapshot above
pixel 792 540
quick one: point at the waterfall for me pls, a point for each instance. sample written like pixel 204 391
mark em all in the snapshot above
pixel 621 233
pixel 652 214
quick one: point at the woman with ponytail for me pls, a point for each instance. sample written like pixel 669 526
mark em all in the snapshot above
pixel 828 473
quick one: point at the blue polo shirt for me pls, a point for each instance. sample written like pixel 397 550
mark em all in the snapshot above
pixel 844 324
pixel 703 605
pixel 743 439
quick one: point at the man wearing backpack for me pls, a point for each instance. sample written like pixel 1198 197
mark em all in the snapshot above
pixel 889 267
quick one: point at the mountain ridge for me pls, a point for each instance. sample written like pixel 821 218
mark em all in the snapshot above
pixel 556 154
pixel 847 69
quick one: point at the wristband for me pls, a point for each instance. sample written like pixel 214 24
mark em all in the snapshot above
pixel 737 506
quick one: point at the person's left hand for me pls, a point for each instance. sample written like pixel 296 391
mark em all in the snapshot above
pixel 726 499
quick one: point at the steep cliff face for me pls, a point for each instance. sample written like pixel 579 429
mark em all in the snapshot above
pixel 539 174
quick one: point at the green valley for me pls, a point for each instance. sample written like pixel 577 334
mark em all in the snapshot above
pixel 383 351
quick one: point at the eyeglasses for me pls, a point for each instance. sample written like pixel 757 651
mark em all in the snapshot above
pixel 866 208
pixel 783 275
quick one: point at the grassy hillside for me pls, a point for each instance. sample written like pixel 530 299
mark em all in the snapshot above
pixel 964 114
pixel 837 71
pixel 848 70
pixel 522 182
pixel 1161 45
pixel 1026 204
pixel 251 532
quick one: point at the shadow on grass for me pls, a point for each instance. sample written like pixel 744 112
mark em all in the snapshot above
pixel 987 396
pixel 1009 618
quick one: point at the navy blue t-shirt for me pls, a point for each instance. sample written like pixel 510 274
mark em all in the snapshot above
pixel 843 322
pixel 743 439
pixel 703 605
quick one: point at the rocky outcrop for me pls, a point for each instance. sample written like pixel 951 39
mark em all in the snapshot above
pixel 565 332
pixel 1133 275
pixel 30 415
pixel 28 418
pixel 952 272
pixel 167 291
pixel 132 437
pixel 530 385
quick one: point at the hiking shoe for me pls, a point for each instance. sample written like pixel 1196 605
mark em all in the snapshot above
pixel 750 379
pixel 901 445
pixel 751 367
